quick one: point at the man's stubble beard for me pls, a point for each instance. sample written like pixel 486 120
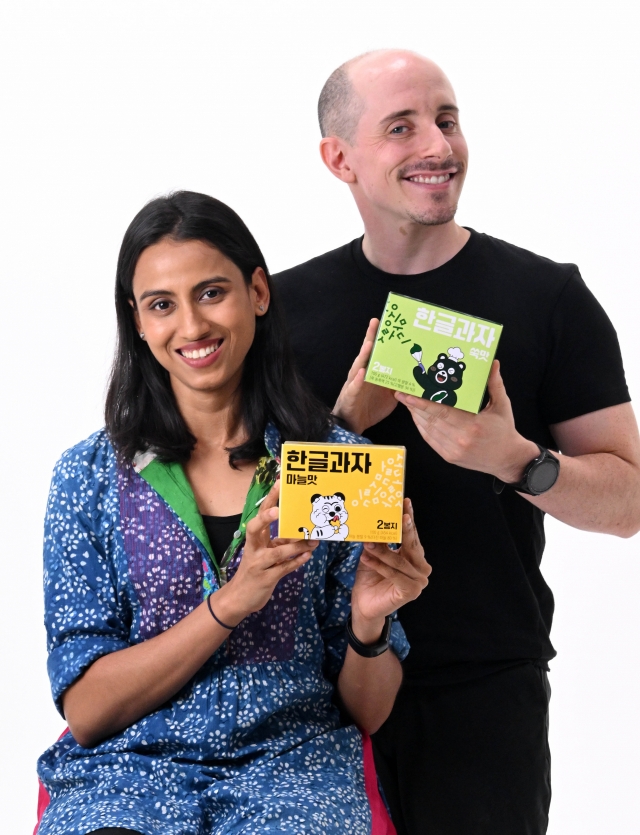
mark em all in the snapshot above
pixel 436 216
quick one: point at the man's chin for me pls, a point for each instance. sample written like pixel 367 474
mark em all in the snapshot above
pixel 435 216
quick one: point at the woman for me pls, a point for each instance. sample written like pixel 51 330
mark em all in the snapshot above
pixel 193 656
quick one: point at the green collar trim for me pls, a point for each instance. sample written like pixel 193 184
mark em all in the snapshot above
pixel 170 482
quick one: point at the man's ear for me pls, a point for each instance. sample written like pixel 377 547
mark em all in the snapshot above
pixel 334 153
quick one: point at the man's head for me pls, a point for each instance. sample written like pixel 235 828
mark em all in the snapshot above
pixel 390 130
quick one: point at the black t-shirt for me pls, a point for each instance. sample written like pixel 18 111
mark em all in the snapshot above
pixel 487 604
pixel 220 530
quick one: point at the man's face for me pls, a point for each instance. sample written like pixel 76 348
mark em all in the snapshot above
pixel 409 156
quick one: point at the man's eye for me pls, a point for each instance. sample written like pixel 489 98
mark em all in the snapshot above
pixel 447 124
pixel 399 129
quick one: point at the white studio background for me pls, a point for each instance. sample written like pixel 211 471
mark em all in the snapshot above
pixel 105 105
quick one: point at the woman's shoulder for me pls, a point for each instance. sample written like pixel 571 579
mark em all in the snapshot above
pixel 91 459
pixel 338 435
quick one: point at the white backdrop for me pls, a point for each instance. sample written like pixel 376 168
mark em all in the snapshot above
pixel 105 105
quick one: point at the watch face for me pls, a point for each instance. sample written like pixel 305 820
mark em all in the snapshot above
pixel 543 476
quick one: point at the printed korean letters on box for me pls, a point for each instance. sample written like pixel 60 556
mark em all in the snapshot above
pixel 433 352
pixel 342 492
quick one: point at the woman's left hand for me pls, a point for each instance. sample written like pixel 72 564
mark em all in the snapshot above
pixel 387 579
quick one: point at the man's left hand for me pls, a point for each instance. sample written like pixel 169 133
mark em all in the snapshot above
pixel 488 441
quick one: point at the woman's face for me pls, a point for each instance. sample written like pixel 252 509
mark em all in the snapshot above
pixel 197 313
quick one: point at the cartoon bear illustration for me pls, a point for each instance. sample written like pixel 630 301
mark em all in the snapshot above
pixel 328 515
pixel 440 380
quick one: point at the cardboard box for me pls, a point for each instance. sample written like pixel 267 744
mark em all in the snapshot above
pixel 342 492
pixel 433 352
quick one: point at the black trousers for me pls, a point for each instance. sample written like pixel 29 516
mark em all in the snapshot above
pixel 114 830
pixel 469 758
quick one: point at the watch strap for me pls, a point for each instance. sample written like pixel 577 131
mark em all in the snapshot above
pixel 370 650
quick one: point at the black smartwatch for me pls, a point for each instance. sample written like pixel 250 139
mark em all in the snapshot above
pixel 539 475
pixel 370 650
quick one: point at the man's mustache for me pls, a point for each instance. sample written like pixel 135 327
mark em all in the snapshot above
pixel 425 165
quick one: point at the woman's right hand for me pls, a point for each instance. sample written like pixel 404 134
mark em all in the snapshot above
pixel 264 563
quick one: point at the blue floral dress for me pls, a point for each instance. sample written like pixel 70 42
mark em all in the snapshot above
pixel 253 743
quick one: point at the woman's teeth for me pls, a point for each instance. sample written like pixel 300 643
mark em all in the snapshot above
pixel 203 352
pixel 435 180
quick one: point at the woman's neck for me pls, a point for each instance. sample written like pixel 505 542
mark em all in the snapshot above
pixel 214 419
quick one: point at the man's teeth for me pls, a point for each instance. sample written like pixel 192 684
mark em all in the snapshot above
pixel 203 352
pixel 432 180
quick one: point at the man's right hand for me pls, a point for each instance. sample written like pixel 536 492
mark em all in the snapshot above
pixel 359 404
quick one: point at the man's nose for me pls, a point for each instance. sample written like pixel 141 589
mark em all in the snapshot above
pixel 433 143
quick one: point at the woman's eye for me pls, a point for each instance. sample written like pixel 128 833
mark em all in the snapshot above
pixel 211 293
pixel 161 304
pixel 398 130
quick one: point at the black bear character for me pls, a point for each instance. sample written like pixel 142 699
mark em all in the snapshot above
pixel 440 380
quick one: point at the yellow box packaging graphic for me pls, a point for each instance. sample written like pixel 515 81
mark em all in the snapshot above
pixel 342 492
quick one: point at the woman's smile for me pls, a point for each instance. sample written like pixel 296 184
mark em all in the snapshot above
pixel 202 353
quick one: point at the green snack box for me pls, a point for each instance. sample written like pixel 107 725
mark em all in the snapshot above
pixel 432 352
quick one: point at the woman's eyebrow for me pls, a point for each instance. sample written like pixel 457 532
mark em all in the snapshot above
pixel 218 279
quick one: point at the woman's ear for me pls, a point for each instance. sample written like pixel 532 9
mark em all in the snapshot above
pixel 136 318
pixel 260 291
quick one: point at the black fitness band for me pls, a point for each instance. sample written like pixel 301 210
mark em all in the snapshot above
pixel 217 620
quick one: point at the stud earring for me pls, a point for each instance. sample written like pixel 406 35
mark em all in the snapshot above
pixel 261 307
pixel 141 335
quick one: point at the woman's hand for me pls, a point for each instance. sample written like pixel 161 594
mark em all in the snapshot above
pixel 264 562
pixel 387 579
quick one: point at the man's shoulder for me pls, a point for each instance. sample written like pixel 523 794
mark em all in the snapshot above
pixel 504 255
pixel 329 263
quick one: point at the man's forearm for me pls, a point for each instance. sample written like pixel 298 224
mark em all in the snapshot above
pixel 597 492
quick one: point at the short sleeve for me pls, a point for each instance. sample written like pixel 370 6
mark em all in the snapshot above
pixel 81 612
pixel 341 573
pixel 584 367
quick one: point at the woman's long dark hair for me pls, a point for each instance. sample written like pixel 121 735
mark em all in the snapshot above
pixel 141 412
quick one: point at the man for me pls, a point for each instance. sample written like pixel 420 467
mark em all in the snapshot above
pixel 465 750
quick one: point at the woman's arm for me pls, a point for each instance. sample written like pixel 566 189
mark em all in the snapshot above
pixel 121 687
pixel 385 581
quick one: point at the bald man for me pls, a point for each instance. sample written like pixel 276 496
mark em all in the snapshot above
pixel 465 751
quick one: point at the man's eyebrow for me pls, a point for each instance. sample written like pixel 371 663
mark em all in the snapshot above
pixel 217 279
pixel 399 114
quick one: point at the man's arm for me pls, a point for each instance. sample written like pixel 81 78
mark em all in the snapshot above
pixel 599 484
pixel 598 488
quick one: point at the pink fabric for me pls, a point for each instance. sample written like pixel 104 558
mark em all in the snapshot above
pixel 381 823
pixel 43 795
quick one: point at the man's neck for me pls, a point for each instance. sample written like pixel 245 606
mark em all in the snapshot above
pixel 408 248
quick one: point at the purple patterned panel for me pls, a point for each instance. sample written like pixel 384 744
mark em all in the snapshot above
pixel 268 635
pixel 165 565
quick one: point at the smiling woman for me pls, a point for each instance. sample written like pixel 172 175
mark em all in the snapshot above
pixel 196 657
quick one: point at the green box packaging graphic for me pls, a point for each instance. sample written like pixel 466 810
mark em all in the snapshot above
pixel 433 352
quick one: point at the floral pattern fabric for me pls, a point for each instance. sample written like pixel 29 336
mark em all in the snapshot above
pixel 254 743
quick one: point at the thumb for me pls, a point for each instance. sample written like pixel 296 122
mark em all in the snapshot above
pixel 495 386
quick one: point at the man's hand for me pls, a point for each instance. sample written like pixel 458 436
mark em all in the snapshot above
pixel 361 404
pixel 488 441
pixel 387 579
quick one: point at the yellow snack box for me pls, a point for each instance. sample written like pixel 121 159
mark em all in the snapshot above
pixel 342 492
